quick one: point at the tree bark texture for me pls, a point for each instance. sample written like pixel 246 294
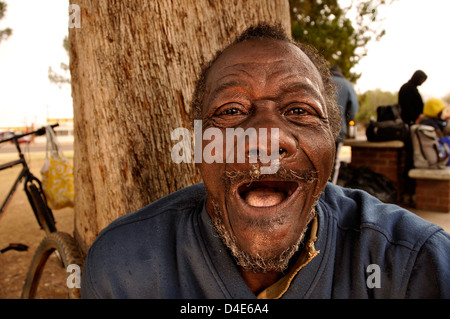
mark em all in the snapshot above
pixel 133 65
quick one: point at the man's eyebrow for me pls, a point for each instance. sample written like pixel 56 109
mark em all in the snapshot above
pixel 227 85
pixel 234 81
pixel 295 87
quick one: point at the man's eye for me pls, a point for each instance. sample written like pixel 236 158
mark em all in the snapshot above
pixel 232 111
pixel 297 111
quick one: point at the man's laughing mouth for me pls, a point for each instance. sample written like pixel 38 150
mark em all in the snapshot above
pixel 261 222
pixel 269 192
pixel 266 193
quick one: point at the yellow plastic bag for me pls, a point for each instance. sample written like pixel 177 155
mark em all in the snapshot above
pixel 57 175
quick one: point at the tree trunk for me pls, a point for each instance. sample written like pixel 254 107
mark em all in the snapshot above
pixel 133 65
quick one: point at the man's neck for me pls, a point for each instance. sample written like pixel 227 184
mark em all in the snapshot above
pixel 258 281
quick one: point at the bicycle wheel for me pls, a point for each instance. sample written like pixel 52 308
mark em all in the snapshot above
pixel 43 213
pixel 69 254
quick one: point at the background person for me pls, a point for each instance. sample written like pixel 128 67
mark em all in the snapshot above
pixel 348 103
pixel 410 99
pixel 433 115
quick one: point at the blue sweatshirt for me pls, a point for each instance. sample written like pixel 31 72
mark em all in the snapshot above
pixel 368 249
pixel 347 101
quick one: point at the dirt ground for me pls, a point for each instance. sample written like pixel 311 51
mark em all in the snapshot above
pixel 18 225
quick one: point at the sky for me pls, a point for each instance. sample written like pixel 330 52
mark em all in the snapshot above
pixel 416 38
pixel 26 94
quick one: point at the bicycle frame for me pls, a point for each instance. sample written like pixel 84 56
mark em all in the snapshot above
pixel 65 247
pixel 24 172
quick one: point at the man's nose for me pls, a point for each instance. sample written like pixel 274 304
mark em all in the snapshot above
pixel 272 139
pixel 273 135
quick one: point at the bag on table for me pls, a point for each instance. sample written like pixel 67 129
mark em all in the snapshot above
pixel 389 113
pixel 57 175
pixel 389 126
pixel 429 151
pixel 387 131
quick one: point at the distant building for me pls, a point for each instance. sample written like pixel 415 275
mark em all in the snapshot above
pixel 65 128
pixel 64 132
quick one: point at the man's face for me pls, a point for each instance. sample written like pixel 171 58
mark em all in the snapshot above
pixel 267 84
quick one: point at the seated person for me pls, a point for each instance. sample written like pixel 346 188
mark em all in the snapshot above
pixel 434 115
pixel 284 234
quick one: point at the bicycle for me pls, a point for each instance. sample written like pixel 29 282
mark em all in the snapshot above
pixel 63 244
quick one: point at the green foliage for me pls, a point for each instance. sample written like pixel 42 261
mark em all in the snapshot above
pixel 370 100
pixel 5 33
pixel 327 27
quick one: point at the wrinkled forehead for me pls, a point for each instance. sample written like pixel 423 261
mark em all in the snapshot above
pixel 273 53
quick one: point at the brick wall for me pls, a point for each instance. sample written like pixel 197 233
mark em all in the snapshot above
pixel 433 195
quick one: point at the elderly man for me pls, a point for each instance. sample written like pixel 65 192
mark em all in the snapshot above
pixel 283 234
